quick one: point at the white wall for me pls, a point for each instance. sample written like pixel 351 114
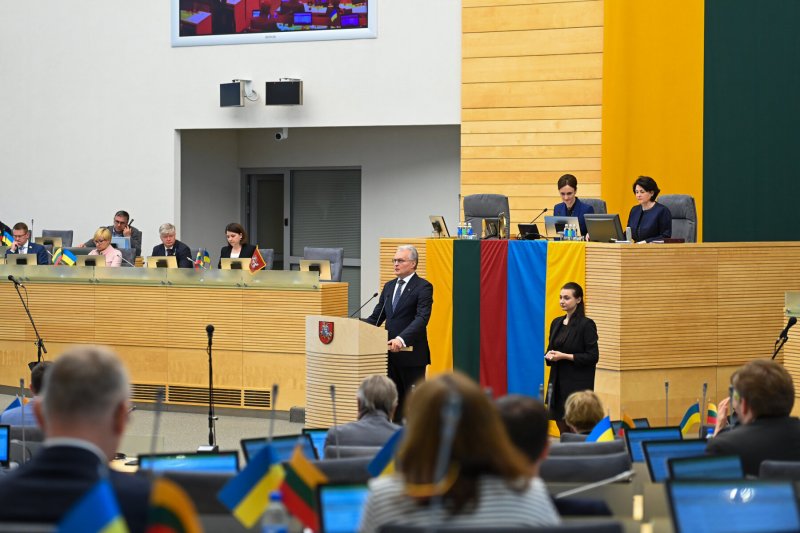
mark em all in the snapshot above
pixel 92 95
pixel 407 173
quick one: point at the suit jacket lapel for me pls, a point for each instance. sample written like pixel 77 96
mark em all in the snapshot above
pixel 410 286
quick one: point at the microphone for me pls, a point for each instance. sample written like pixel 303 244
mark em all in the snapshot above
pixel 666 403
pixel 784 334
pixel 123 258
pixel 624 476
pixel 13 279
pixel 156 424
pixel 273 400
pixel 537 216
pixel 212 428
pixel 210 332
pixel 363 306
pixel 333 408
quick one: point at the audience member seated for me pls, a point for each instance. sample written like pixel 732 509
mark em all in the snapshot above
pixel 83 412
pixel 486 481
pixel 121 228
pixel 19 416
pixel 22 244
pixel 763 397
pixel 582 411
pixel 377 401
pixel 171 246
pixel 102 242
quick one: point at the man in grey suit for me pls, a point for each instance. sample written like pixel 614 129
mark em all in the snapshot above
pixel 377 401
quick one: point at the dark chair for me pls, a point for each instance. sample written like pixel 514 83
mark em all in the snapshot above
pixel 684 215
pixel 269 256
pixel 588 448
pixel 598 204
pixel 65 234
pixel 480 207
pixel 584 468
pixel 31 433
pixel 780 470
pixel 80 250
pixel 351 470
pixel 334 255
pixel 573 437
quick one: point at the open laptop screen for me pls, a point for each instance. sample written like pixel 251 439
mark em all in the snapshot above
pixel 635 437
pixel 340 507
pixel 736 505
pixel 706 467
pixel 318 437
pixel 5 444
pixel 222 462
pixel 283 446
pixel 657 453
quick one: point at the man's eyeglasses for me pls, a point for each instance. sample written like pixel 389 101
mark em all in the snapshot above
pixel 400 261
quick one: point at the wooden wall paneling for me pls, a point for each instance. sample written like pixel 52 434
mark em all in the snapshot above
pixel 334 299
pixel 532 42
pixel 287 370
pixel 191 309
pixel 533 68
pixel 389 246
pixel 531 113
pixel 142 310
pixel 190 367
pixel 536 16
pixel 273 321
pixel 63 313
pixel 148 364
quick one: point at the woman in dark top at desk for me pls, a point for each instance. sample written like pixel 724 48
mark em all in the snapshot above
pixel 649 221
pixel 237 243
pixel 570 205
pixel 572 352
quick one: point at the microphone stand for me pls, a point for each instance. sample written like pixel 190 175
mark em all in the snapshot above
pixel 212 432
pixel 40 348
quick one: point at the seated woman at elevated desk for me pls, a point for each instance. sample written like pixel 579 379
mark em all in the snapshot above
pixel 649 221
pixel 102 242
pixel 571 206
pixel 237 244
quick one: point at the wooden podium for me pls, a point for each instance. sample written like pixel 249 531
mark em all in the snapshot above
pixel 342 352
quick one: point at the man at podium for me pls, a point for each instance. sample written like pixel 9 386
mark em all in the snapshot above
pixel 405 305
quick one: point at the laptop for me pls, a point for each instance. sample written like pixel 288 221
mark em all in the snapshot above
pixel 318 437
pixel 555 225
pixel 735 505
pixel 5 445
pixel 706 467
pixel 217 463
pixel 658 452
pixel 636 436
pixel 529 231
pixel 340 507
pixel 121 243
pixel 302 19
pixel 283 446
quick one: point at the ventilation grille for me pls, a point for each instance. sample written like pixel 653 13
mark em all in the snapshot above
pixel 230 397
pixel 148 393
pixel 257 398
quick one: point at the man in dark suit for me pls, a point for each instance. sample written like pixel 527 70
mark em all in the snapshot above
pixel 377 402
pixel 171 246
pixel 22 245
pixel 405 305
pixel 763 397
pixel 83 411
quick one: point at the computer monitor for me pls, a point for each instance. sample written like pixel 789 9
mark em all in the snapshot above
pixel 256 13
pixel 350 21
pixel 283 446
pixel 439 227
pixel 5 445
pixel 318 437
pixel 323 266
pixel 706 467
pixel 97 261
pixel 55 242
pixel 239 263
pixel 604 228
pixel 121 243
pixel 554 226
pixel 657 453
pixel 222 462
pixel 636 436
pixel 302 19
pixel 156 261
pixel 21 259
pixel 733 505
pixel 641 423
pixel 340 506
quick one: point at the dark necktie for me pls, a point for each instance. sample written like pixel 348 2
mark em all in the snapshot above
pixel 397 293
pixel 171 251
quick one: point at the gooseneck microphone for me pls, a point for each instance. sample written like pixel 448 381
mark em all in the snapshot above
pixel 792 321
pixel 537 216
pixel 333 409
pixel 363 306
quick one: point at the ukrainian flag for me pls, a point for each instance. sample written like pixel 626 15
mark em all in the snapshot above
pixel 13 405
pixel 68 258
pixel 383 463
pixel 690 419
pixel 247 494
pixel 602 432
pixel 97 512
pixel 8 239
pixel 552 429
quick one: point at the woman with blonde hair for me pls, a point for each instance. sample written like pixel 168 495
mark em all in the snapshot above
pixel 102 243
pixel 582 411
pixel 485 481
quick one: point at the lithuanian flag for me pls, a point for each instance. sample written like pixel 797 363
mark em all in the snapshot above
pixel 711 417
pixel 627 423
pixel 298 488
pixel 171 509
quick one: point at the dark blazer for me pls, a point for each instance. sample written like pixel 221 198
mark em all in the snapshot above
pixel 409 320
pixel 182 253
pixel 372 429
pixel 567 377
pixel 774 438
pixel 651 225
pixel 49 485
pixel 578 210
pixel 247 252
pixel 42 257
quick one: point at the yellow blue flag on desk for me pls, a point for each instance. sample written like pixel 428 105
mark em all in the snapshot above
pixel 690 419
pixel 247 494
pixel 383 463
pixel 603 431
pixel 96 512
pixel 8 238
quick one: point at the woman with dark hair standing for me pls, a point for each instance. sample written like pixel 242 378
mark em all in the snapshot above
pixel 649 221
pixel 237 243
pixel 570 205
pixel 572 352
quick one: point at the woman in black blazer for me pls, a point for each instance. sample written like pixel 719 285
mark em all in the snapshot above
pixel 237 243
pixel 572 352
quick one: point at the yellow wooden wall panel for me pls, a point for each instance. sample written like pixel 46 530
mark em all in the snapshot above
pixel 531 152
pixel 387 250
pixel 532 93
pixel 525 126
pixel 478 178
pixel 494 3
pixel 532 17
pixel 532 68
pixel 531 113
pixel 532 42
pixel 520 165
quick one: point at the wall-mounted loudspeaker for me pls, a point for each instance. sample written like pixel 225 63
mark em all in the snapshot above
pixel 289 92
pixel 231 94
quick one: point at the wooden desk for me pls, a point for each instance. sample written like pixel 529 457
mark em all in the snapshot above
pixel 155 320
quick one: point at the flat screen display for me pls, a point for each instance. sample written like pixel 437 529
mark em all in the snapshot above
pixel 657 453
pixel 222 462
pixel 340 507
pixel 706 467
pixel 635 437
pixel 283 446
pixel 318 437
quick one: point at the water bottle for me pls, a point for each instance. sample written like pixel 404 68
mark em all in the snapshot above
pixel 568 232
pixel 460 234
pixel 276 518
pixel 470 235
